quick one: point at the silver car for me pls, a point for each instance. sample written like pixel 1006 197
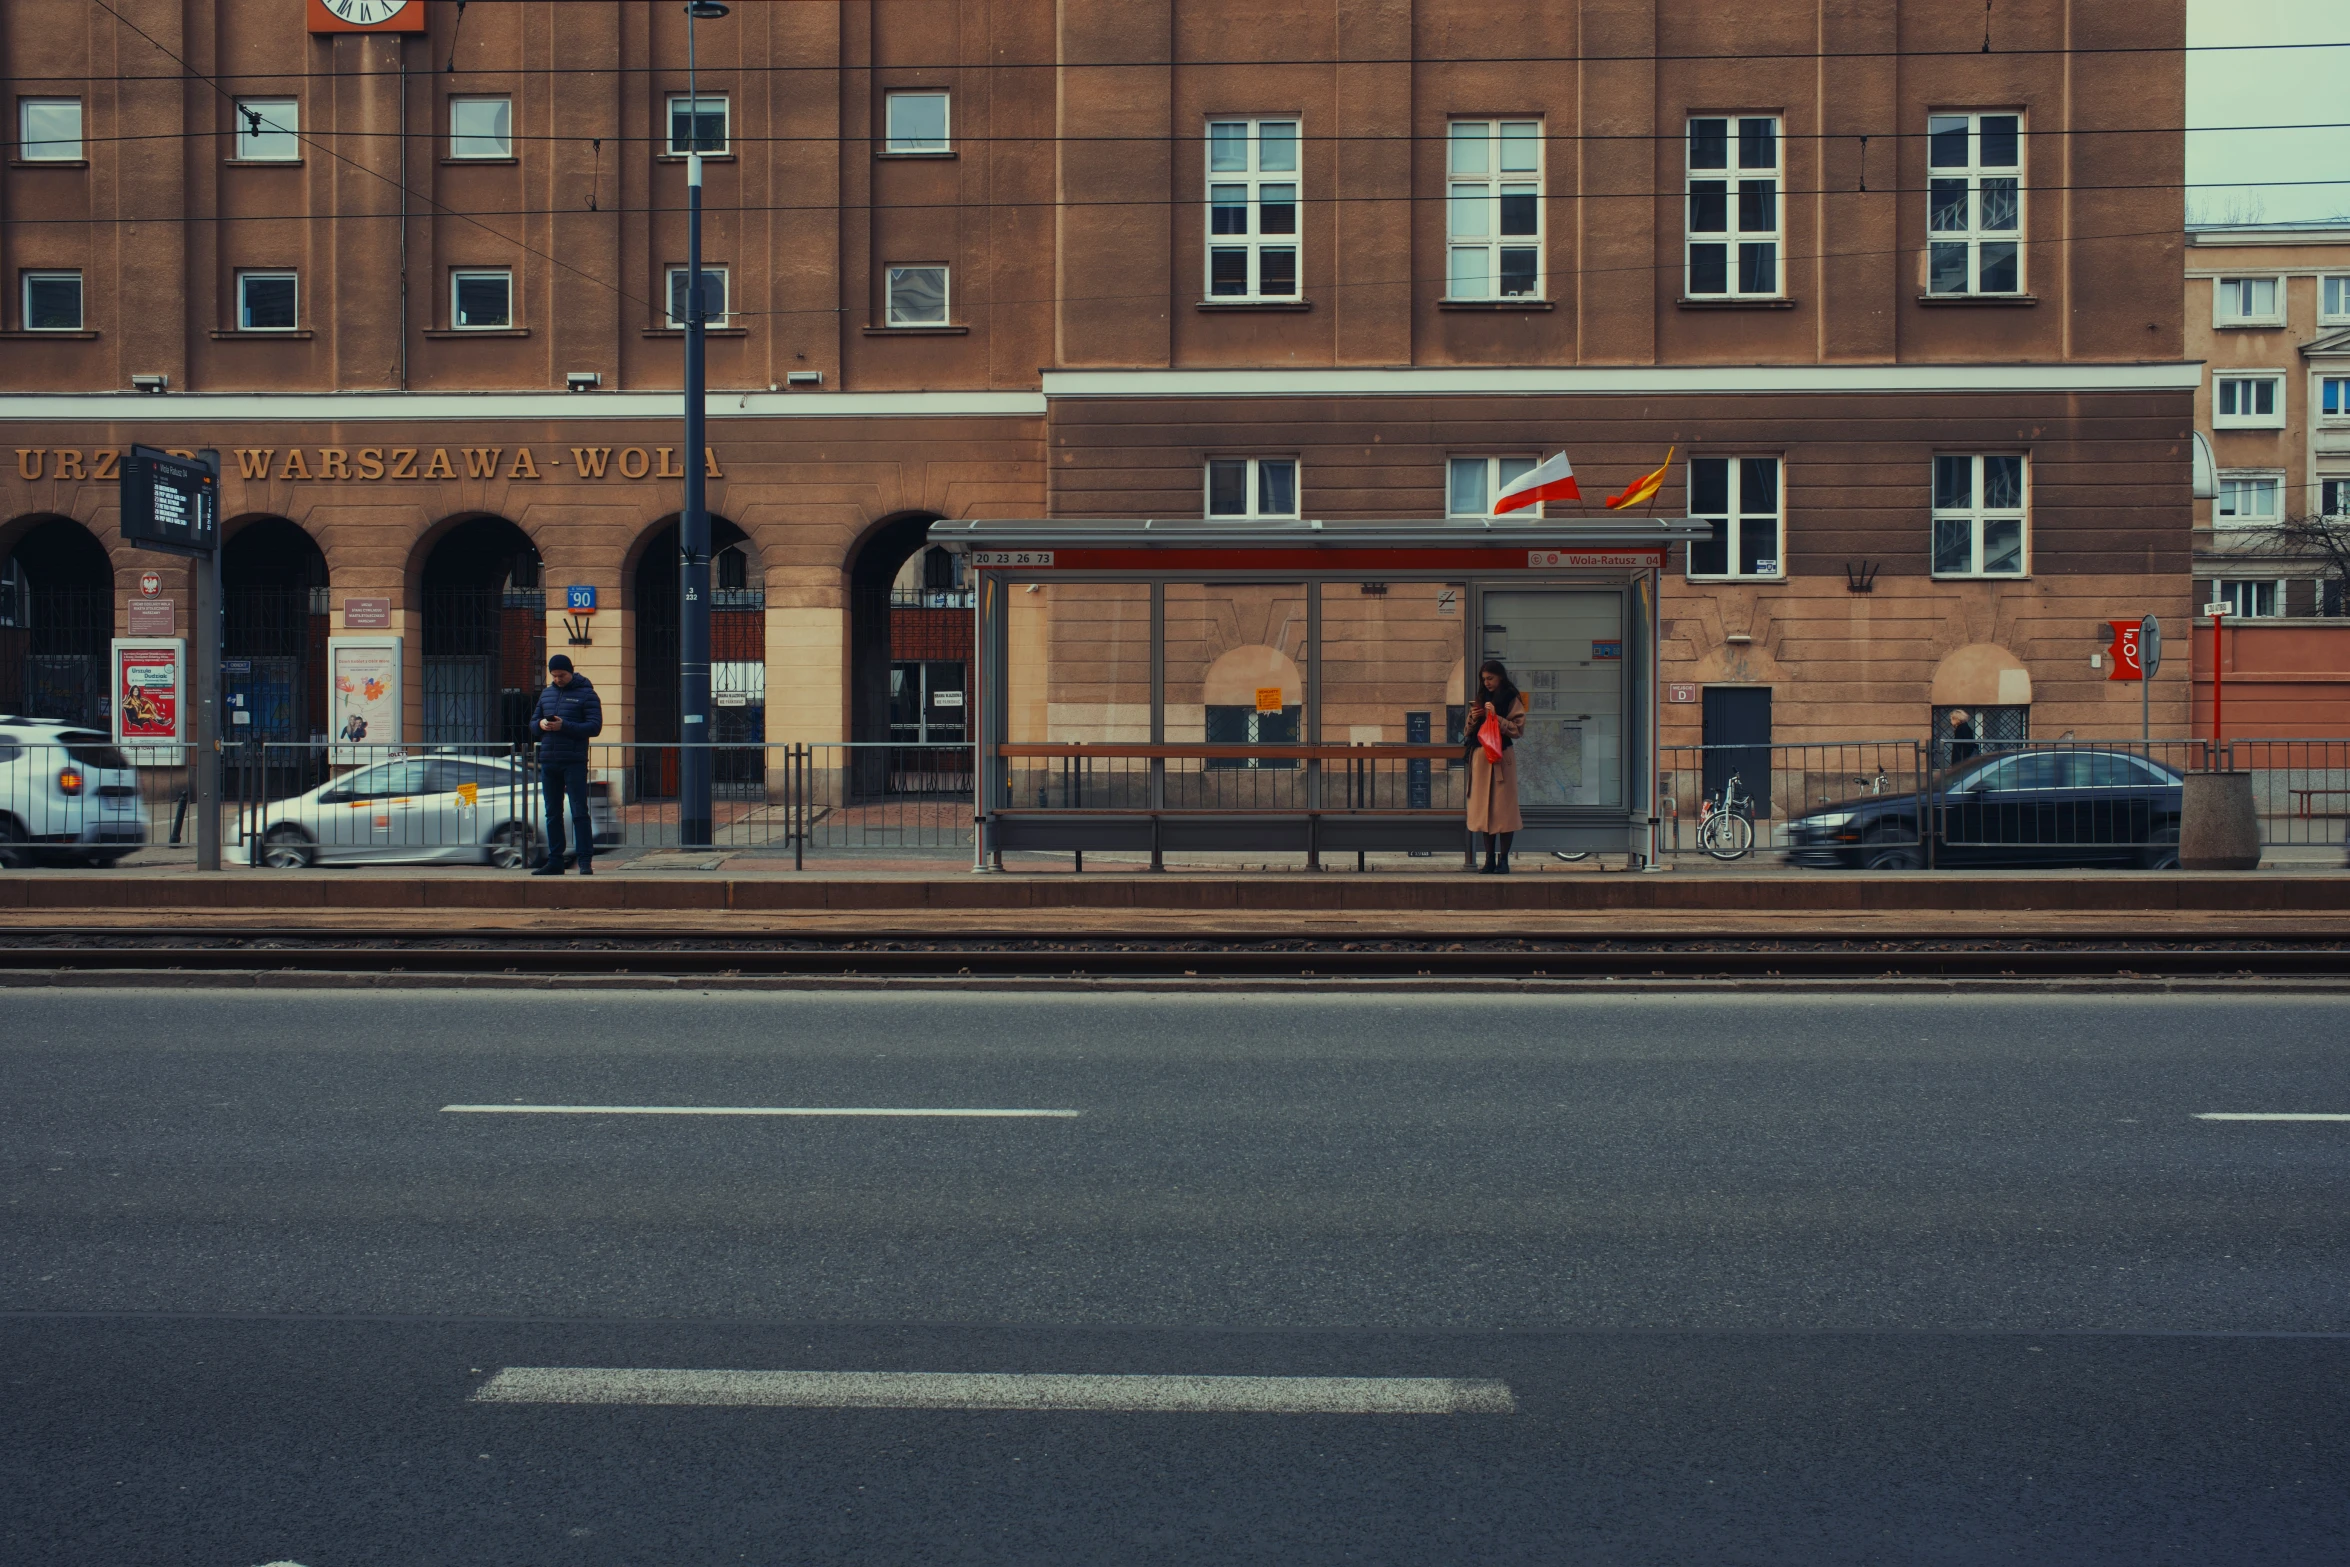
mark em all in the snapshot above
pixel 468 809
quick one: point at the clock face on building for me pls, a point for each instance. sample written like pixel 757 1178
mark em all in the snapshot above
pixel 367 16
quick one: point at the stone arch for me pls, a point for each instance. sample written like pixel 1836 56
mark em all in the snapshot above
pixel 738 657
pixel 1982 674
pixel 1236 677
pixel 56 619
pixel 274 626
pixel 872 567
pixel 476 586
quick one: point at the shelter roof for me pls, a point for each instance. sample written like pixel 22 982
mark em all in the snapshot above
pixel 1234 533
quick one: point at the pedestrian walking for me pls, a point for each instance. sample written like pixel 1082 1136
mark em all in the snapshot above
pixel 568 716
pixel 1493 785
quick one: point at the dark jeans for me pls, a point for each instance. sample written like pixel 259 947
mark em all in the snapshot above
pixel 567 781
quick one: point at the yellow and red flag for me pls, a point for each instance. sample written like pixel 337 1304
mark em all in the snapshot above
pixel 1645 487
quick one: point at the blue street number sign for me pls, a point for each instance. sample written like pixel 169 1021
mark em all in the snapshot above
pixel 580 600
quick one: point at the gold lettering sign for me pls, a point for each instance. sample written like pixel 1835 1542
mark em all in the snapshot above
pixel 339 464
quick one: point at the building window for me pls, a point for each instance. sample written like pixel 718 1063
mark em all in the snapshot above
pixel 915 122
pixel 1733 239
pixel 481 301
pixel 2333 299
pixel 1471 483
pixel 53 301
pixel 2247 301
pixel 1493 210
pixel 2333 397
pixel 49 130
pixel 2334 497
pixel 1974 204
pixel 268 130
pixel 1252 209
pixel 2246 500
pixel 2248 402
pixel 917 296
pixel 697 125
pixel 481 127
pixel 713 296
pixel 2248 600
pixel 1252 486
pixel 1740 497
pixel 1978 516
pixel 267 301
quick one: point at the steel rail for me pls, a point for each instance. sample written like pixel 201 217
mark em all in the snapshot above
pixel 1695 959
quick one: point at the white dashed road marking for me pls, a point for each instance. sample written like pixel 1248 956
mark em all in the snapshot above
pixel 1000 1390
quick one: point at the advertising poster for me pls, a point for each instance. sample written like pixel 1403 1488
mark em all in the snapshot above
pixel 363 697
pixel 150 699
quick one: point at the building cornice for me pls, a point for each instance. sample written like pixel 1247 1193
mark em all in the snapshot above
pixel 1601 380
pixel 558 407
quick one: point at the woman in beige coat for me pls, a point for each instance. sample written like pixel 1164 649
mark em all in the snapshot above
pixel 1493 786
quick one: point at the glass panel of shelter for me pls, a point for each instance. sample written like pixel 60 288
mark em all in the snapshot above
pixel 1235 675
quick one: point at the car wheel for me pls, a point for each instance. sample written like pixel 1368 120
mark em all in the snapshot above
pixel 513 846
pixel 13 854
pixel 1886 850
pixel 1571 856
pixel 104 859
pixel 286 849
pixel 2162 850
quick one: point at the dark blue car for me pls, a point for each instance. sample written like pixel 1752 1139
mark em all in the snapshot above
pixel 2060 806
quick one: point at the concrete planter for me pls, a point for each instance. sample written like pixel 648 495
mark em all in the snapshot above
pixel 2218 827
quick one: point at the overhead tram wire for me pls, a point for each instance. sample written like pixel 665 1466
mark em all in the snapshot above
pixel 1972 51
pixel 189 72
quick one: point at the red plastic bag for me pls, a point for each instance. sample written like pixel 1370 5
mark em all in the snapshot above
pixel 1490 738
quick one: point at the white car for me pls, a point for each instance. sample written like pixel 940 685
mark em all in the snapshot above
pixel 472 809
pixel 67 796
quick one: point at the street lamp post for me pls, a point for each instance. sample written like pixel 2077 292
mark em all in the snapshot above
pixel 694 822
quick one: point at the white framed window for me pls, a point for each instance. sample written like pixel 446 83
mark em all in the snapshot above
pixel 268 130
pixel 2247 500
pixel 268 301
pixel 481 127
pixel 1252 486
pixel 1740 497
pixel 52 301
pixel 1974 204
pixel 1472 483
pixel 713 296
pixel 2248 600
pixel 915 121
pixel 49 130
pixel 2333 397
pixel 2334 497
pixel 698 125
pixel 917 296
pixel 2248 301
pixel 2333 299
pixel 481 299
pixel 2248 402
pixel 1252 209
pixel 1493 210
pixel 1980 514
pixel 1733 231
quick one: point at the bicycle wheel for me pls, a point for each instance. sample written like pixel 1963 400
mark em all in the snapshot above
pixel 1728 836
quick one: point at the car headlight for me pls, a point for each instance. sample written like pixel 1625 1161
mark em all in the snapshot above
pixel 1830 819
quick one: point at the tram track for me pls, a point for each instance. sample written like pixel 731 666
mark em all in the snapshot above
pixel 614 958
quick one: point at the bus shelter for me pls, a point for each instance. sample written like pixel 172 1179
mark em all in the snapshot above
pixel 1301 686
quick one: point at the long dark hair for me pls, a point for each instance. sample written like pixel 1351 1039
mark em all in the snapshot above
pixel 1504 696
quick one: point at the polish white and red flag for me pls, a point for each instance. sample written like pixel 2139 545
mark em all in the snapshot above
pixel 1553 480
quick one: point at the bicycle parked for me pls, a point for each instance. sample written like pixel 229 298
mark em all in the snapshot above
pixel 1725 823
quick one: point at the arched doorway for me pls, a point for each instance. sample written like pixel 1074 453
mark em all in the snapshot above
pixel 738 662
pixel 56 623
pixel 485 634
pixel 273 634
pixel 909 662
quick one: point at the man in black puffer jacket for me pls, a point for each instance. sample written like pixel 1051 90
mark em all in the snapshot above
pixel 567 718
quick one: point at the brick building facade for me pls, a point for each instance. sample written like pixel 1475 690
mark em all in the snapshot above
pixel 1914 335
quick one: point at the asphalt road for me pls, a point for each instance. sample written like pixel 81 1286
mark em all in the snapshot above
pixel 1835 1279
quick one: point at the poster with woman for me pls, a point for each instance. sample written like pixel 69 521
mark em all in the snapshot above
pixel 149 715
pixel 363 697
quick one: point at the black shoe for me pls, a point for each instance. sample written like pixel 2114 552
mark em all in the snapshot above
pixel 547 868
pixel 586 869
pixel 1505 867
